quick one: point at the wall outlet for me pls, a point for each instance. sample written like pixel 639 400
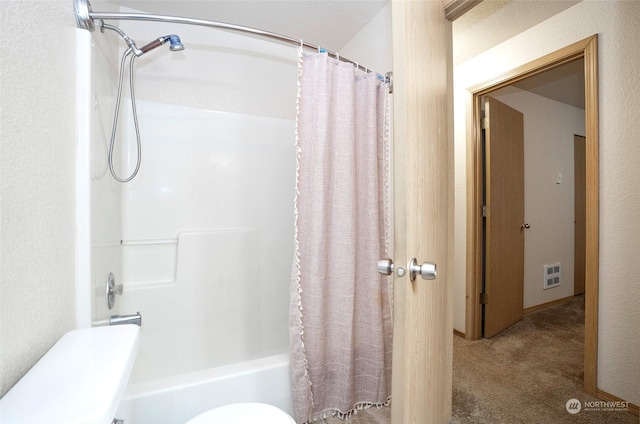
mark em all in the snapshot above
pixel 551 277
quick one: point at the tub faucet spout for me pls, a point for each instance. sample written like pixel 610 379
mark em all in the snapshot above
pixel 126 319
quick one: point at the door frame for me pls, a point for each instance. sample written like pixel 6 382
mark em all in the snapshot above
pixel 588 50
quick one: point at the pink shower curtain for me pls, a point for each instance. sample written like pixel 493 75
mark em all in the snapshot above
pixel 340 316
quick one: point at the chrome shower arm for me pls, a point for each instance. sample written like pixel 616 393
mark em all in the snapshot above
pixel 124 36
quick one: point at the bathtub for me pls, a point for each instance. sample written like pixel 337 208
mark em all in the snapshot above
pixel 175 400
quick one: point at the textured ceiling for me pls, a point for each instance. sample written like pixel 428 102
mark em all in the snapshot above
pixel 329 24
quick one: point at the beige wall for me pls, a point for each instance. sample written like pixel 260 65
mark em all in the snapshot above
pixel 498 15
pixel 619 35
pixel 549 127
pixel 37 122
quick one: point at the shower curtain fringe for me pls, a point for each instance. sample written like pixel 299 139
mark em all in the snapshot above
pixel 344 415
pixel 386 192
pixel 296 215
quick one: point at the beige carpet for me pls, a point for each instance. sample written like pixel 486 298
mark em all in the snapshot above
pixel 526 374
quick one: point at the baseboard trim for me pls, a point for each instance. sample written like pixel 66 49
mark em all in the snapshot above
pixel 547 305
pixel 601 394
pixel 458 333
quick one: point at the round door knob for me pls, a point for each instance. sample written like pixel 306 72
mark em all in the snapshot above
pixel 385 266
pixel 525 226
pixel 427 270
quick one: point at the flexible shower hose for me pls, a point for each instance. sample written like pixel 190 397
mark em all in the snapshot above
pixel 127 52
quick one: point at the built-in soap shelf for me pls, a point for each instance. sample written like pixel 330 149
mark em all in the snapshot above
pixel 149 262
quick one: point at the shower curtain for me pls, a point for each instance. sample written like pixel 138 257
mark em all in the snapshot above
pixel 340 315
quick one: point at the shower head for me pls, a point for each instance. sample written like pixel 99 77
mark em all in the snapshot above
pixel 174 44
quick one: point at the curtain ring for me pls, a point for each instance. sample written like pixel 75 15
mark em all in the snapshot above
pixel 337 58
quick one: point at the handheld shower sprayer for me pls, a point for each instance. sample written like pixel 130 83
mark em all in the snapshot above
pixel 174 45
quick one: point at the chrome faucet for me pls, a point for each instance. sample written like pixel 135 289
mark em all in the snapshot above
pixel 120 320
pixel 126 319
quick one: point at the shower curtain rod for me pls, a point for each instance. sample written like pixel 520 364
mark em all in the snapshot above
pixel 85 17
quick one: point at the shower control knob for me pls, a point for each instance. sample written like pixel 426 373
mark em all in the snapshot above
pixel 113 289
pixel 427 270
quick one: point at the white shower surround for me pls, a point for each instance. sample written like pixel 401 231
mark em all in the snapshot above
pixel 202 238
pixel 207 238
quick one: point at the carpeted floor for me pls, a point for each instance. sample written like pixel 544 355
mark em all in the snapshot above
pixel 526 374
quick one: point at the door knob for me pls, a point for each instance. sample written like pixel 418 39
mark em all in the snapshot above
pixel 386 267
pixel 427 270
pixel 525 226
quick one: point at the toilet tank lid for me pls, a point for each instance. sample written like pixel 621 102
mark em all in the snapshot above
pixel 81 379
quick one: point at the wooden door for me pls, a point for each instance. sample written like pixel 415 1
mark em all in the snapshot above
pixel 504 238
pixel 580 207
pixel 423 208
